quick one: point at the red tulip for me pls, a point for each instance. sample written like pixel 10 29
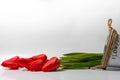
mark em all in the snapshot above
pixel 51 65
pixel 40 56
pixel 36 65
pixel 11 63
pixel 24 62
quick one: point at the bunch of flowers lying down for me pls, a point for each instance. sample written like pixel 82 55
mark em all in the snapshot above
pixel 74 60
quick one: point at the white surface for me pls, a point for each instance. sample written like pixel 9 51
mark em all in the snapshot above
pixel 59 75
pixel 83 74
pixel 55 26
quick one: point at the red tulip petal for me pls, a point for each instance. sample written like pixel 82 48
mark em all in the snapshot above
pixel 36 65
pixel 51 65
pixel 40 56
pixel 11 63
pixel 24 62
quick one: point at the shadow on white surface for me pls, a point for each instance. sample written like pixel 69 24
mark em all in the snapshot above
pixel 113 69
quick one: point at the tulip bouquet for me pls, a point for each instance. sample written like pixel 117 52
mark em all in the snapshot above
pixel 75 60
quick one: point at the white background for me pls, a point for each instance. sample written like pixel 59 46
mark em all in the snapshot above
pixel 55 27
